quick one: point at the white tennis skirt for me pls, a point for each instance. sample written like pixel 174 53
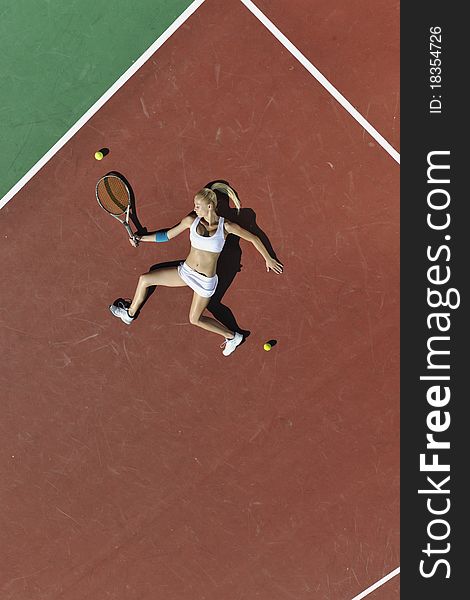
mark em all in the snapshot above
pixel 202 285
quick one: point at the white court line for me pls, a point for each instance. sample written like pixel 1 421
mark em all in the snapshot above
pixel 322 79
pixel 377 584
pixel 99 103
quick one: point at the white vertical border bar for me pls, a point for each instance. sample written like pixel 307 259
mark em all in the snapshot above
pixel 377 584
pixel 322 80
pixel 99 103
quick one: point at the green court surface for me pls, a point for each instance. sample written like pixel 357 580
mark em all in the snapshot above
pixel 57 58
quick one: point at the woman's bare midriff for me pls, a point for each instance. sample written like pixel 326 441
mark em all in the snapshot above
pixel 202 261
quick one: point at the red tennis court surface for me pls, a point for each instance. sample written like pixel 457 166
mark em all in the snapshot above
pixel 138 462
pixel 355 44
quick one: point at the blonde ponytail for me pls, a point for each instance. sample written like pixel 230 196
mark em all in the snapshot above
pixel 226 189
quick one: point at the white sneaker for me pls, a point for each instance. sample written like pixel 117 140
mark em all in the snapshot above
pixel 230 345
pixel 120 310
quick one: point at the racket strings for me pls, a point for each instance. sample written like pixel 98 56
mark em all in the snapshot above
pixel 113 195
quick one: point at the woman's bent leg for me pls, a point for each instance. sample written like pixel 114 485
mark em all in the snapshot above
pixel 198 306
pixel 168 277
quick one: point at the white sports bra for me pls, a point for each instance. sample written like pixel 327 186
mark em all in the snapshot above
pixel 213 243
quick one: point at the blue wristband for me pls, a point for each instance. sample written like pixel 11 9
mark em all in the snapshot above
pixel 161 236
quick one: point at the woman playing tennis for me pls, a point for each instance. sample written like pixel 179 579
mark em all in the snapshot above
pixel 207 233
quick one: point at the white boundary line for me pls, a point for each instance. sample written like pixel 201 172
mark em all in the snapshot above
pixel 99 103
pixel 322 79
pixel 377 584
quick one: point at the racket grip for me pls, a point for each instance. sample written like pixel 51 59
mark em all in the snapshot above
pixel 129 230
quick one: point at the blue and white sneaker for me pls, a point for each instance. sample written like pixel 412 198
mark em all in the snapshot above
pixel 230 345
pixel 120 310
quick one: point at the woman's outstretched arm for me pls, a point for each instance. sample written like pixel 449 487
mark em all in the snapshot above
pixel 163 235
pixel 271 263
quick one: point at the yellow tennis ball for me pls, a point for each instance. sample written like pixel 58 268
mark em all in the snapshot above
pixel 267 347
pixel 98 155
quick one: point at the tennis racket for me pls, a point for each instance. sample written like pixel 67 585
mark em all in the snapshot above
pixel 113 195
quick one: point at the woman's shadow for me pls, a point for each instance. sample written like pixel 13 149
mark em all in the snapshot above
pixel 229 262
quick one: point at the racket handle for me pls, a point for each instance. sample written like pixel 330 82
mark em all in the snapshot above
pixel 129 230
